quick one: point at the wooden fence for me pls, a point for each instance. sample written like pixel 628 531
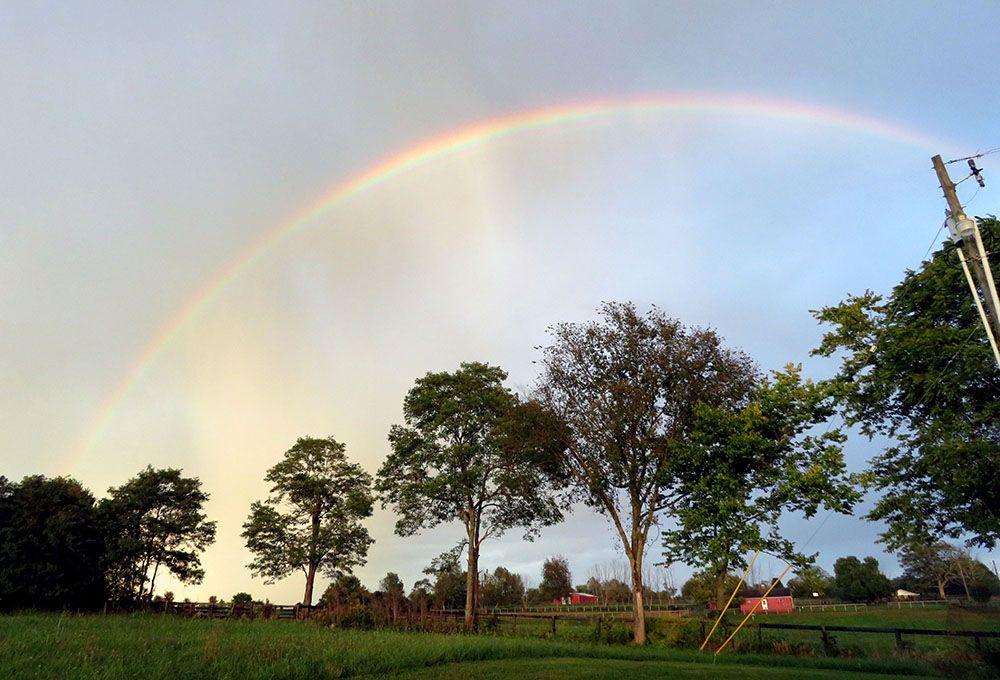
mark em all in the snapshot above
pixel 825 631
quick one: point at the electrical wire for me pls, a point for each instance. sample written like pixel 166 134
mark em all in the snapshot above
pixel 978 155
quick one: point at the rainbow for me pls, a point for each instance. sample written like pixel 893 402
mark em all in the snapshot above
pixel 453 142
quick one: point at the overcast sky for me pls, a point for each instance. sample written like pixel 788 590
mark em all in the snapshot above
pixel 145 147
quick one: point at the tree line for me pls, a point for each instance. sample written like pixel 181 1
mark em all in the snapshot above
pixel 648 421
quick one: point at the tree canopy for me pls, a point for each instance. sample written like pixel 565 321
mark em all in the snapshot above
pixel 557 582
pixel 917 368
pixel 154 521
pixel 312 520
pixel 627 386
pixel 51 545
pixel 744 468
pixel 860 580
pixel 469 451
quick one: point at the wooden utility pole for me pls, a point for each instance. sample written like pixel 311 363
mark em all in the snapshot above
pixel 973 256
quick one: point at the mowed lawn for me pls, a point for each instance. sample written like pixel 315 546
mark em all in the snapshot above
pixel 53 647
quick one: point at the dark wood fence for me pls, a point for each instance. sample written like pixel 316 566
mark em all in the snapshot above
pixel 824 631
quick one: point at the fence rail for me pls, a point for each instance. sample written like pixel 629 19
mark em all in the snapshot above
pixel 824 631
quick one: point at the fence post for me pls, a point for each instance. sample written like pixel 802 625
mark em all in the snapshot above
pixel 899 639
pixel 553 626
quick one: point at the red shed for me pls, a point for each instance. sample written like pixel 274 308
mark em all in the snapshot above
pixel 577 598
pixel 778 601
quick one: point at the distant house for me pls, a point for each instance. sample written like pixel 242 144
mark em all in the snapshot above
pixel 577 598
pixel 906 595
pixel 777 601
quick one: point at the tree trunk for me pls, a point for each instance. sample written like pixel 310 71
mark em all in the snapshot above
pixel 313 561
pixel 940 585
pixel 639 620
pixel 472 589
pixel 720 585
pixel 307 598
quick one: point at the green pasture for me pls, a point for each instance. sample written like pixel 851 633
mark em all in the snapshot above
pixel 52 647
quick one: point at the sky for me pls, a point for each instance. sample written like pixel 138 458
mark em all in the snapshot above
pixel 224 226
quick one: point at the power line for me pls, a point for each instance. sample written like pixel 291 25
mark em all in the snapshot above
pixel 978 155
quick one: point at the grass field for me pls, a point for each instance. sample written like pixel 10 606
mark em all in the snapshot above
pixel 940 617
pixel 37 647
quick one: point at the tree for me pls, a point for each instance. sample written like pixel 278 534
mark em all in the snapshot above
pixel 945 568
pixel 502 588
pixel 346 590
pixel 811 581
pixel 745 468
pixel 154 521
pixel 468 452
pixel 917 369
pixel 395 594
pixel 626 386
pixel 702 585
pixel 421 596
pixel 242 599
pixel 860 581
pixel 557 582
pixel 312 520
pixel 450 581
pixel 51 544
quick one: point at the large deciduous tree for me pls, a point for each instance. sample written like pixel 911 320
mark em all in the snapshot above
pixel 557 582
pixel 745 468
pixel 860 580
pixel 627 386
pixel 312 520
pixel 469 452
pixel 51 546
pixel 502 588
pixel 154 521
pixel 917 368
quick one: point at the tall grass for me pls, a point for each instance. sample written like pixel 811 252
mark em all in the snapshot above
pixel 162 647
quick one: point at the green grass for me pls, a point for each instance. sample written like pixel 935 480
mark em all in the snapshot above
pixel 940 617
pixel 37 647
pixel 936 616
pixel 614 669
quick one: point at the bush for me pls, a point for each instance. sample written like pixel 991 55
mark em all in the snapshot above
pixel 357 616
pixel 674 632
pixel 615 633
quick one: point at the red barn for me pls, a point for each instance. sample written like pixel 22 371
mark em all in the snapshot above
pixel 778 601
pixel 577 598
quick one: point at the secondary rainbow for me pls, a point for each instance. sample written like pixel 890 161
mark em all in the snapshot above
pixel 476 134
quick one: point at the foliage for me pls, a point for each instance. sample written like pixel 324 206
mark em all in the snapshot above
pixel 242 599
pixel 51 545
pixel 702 585
pixel 745 468
pixel 811 579
pixel 557 582
pixel 860 580
pixel 468 452
pixel 312 519
pixel 917 368
pixel 627 386
pixel 345 590
pixel 450 580
pixel 395 594
pixel 502 588
pixel 947 570
pixel 154 520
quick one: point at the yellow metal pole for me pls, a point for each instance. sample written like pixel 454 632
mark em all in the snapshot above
pixel 723 612
pixel 747 618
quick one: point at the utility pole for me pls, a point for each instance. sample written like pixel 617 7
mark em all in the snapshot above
pixel 965 233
